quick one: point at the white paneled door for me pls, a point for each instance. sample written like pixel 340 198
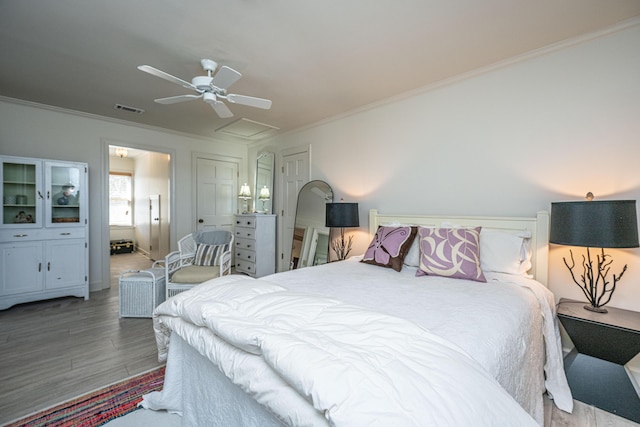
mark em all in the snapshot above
pixel 154 226
pixel 216 198
pixel 295 174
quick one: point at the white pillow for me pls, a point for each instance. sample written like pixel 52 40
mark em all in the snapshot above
pixel 503 252
pixel 412 259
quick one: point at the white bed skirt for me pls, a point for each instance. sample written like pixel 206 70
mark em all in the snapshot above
pixel 197 390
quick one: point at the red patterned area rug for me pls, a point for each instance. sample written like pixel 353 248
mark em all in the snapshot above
pixel 98 407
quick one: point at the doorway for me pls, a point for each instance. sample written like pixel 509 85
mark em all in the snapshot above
pixel 143 218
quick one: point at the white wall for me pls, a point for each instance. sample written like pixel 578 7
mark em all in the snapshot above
pixel 151 177
pixel 33 131
pixel 506 142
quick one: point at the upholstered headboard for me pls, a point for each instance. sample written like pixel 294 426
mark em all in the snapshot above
pixel 538 226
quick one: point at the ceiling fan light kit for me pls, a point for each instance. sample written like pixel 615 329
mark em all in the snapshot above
pixel 211 88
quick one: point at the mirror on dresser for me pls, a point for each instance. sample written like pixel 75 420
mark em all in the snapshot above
pixel 310 244
pixel 263 195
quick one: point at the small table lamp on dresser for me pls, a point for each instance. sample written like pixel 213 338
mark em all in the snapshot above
pixel 604 340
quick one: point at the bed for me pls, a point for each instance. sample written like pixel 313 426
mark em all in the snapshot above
pixel 359 343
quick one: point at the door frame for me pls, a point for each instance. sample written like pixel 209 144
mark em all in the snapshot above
pixel 105 143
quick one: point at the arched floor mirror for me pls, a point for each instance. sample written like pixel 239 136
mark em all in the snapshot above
pixel 310 244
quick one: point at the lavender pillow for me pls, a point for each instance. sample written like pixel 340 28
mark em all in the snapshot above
pixel 450 252
pixel 389 246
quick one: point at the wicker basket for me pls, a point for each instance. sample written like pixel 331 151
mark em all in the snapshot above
pixel 141 291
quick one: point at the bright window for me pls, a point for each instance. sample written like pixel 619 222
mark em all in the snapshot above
pixel 120 198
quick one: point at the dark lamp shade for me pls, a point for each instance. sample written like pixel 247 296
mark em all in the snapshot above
pixel 342 215
pixel 596 224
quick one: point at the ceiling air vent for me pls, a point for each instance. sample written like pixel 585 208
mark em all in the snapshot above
pixel 128 109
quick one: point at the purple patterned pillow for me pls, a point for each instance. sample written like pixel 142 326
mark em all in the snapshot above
pixel 389 246
pixel 450 252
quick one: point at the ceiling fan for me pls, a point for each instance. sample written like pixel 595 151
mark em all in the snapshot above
pixel 211 89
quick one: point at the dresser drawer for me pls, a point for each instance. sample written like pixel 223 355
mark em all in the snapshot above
pixel 245 267
pixel 245 244
pixel 246 233
pixel 245 255
pixel 249 222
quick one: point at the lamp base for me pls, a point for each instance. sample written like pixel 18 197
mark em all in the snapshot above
pixel 595 309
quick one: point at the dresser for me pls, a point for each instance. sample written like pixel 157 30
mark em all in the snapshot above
pixel 255 244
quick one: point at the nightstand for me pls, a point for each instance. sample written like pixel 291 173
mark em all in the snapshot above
pixel 604 343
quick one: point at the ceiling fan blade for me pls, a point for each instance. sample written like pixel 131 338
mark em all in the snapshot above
pixel 165 76
pixel 175 99
pixel 250 101
pixel 221 109
pixel 225 77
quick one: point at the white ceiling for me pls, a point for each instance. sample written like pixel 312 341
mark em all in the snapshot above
pixel 314 59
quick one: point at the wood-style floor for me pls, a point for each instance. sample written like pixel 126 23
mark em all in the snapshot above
pixel 55 350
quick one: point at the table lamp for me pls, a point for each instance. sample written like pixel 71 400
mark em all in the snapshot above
pixel 264 195
pixel 245 194
pixel 595 224
pixel 341 215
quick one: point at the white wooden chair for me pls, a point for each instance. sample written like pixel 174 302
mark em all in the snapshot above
pixel 180 272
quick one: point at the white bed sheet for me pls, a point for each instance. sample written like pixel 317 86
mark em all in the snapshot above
pixel 498 324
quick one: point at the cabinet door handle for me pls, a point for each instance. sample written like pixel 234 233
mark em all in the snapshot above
pixel 48 195
pixel 49 266
pixel 20 235
pixel 39 267
pixel 65 234
pixel 40 194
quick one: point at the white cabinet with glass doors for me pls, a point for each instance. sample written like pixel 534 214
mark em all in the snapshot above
pixel 44 230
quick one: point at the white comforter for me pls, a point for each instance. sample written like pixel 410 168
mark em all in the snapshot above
pixel 356 366
pixel 241 325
